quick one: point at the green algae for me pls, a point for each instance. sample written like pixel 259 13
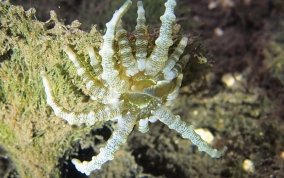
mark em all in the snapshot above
pixel 32 136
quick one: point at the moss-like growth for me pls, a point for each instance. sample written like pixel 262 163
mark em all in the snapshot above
pixel 274 56
pixel 33 139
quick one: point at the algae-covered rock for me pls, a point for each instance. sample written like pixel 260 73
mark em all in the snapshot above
pixel 34 140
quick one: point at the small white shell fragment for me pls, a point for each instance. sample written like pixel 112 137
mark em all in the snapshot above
pixel 228 79
pixel 205 134
pixel 248 166
pixel 212 5
pixel 195 112
pixel 282 155
pixel 218 31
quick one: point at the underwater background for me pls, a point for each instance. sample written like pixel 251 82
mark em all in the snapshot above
pixel 238 99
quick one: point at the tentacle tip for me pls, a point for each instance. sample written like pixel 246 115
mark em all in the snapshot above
pixel 221 152
pixel 80 166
